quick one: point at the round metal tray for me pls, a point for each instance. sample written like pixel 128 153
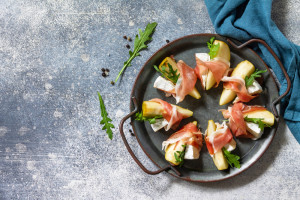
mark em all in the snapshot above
pixel 202 169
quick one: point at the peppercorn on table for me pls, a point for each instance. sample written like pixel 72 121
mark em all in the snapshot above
pixel 55 57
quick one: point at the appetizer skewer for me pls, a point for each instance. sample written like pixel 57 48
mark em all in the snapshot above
pixel 248 121
pixel 184 144
pixel 213 66
pixel 178 79
pixel 220 143
pixel 241 83
pixel 161 114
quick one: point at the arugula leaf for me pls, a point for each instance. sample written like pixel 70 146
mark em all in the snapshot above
pixel 179 156
pixel 139 44
pixel 105 119
pixel 256 74
pixel 232 159
pixel 140 117
pixel 213 48
pixel 258 121
pixel 171 74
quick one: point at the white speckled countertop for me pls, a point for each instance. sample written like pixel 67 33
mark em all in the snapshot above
pixel 51 144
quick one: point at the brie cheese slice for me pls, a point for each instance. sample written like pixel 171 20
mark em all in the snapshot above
pixel 160 123
pixel 191 152
pixel 203 56
pixel 164 84
pixel 255 88
pixel 254 129
pixel 231 145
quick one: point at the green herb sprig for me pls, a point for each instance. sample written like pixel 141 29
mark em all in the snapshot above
pixel 213 48
pixel 171 74
pixel 139 117
pixel 258 121
pixel 105 119
pixel 232 159
pixel 179 156
pixel 139 44
pixel 256 74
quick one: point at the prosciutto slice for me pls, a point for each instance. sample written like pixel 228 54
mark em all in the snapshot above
pixel 237 85
pixel 170 114
pixel 186 81
pixel 218 139
pixel 189 134
pixel 237 123
pixel 218 66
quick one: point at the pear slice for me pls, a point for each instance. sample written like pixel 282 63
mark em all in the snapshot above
pixel 243 69
pixel 194 93
pixel 152 109
pixel 172 148
pixel 218 158
pixel 267 116
pixel 223 52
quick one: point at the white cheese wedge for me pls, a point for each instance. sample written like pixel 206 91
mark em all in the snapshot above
pixel 255 88
pixel 160 123
pixel 163 84
pixel 191 152
pixel 254 130
pixel 231 145
pixel 203 56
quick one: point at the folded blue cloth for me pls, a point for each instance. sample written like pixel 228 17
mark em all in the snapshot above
pixel 246 19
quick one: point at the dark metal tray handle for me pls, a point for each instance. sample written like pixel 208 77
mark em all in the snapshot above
pixel 130 150
pixel 276 101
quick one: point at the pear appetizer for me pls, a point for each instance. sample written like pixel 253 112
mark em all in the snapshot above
pixel 184 144
pixel 219 142
pixel 213 66
pixel 241 83
pixel 179 79
pixel 161 114
pixel 248 121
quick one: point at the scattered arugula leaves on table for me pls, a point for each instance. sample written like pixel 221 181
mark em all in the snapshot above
pixel 105 119
pixel 152 120
pixel 170 74
pixel 139 44
pixel 179 156
pixel 258 121
pixel 232 159
pixel 256 74
pixel 213 48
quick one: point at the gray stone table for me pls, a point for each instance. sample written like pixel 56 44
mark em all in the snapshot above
pixel 51 143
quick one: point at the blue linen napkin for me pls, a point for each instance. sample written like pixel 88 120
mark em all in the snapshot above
pixel 243 20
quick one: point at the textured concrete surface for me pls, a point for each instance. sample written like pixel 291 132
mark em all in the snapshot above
pixel 51 144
